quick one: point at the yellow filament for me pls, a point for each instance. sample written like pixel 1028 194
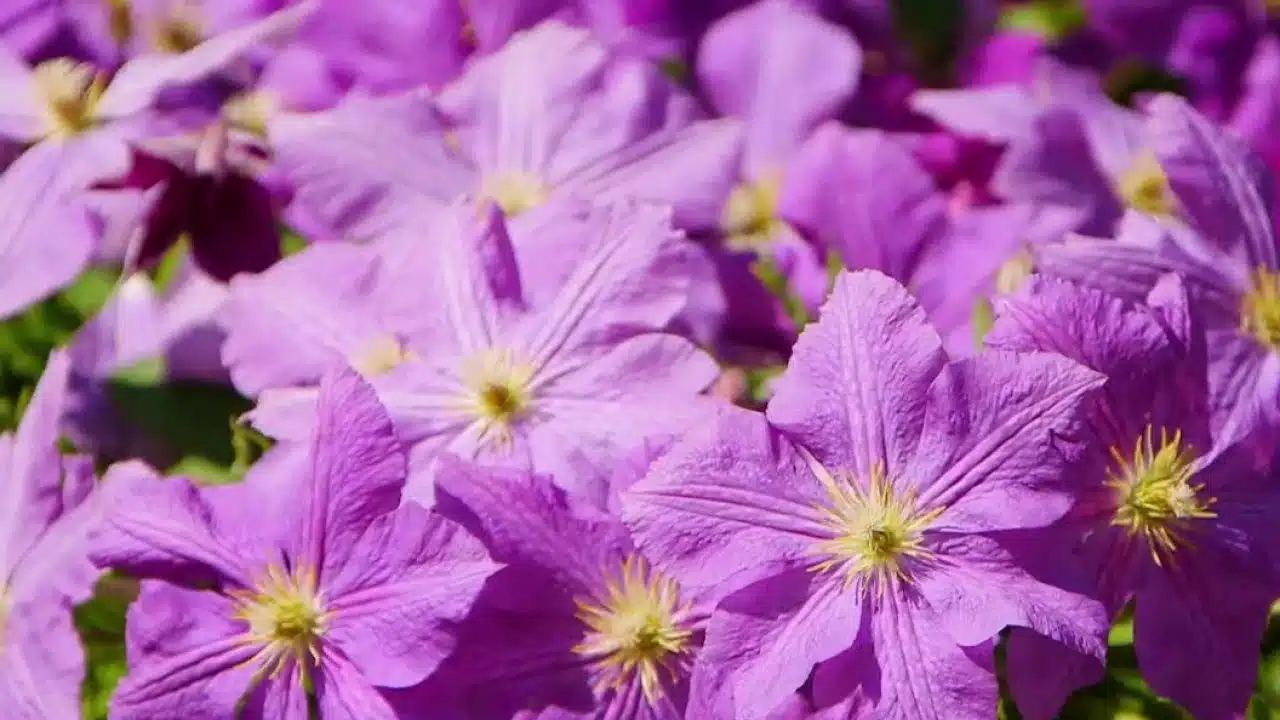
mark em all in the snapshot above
pixel 1145 187
pixel 1260 308
pixel 498 393
pixel 515 192
pixel 750 216
pixel 638 628
pixel 286 616
pixel 71 91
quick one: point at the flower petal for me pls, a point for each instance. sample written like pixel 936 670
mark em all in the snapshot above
pixel 287 326
pixel 524 520
pixel 37 202
pixel 344 693
pixel 763 641
pixel 998 436
pixel 853 393
pixel 157 527
pixel 357 474
pixel 748 63
pixel 1224 190
pixel 733 497
pixel 1043 673
pixel 397 610
pixel 41 661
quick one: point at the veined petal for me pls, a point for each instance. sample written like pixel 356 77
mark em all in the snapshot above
pixel 764 640
pixel 998 434
pixel 524 519
pixel 31 492
pixel 395 615
pixel 735 496
pixel 203 683
pixel 344 693
pixel 1043 673
pixel 853 394
pixel 158 527
pixel 38 201
pixel 633 276
pixel 41 661
pixel 460 262
pixel 1224 190
pixel 370 164
pixel 748 63
pixel 357 474
pixel 924 674
pixel 288 325
pixel 691 169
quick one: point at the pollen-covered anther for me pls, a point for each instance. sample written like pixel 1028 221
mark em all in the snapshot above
pixel 120 20
pixel 1155 496
pixel 638 628
pixel 1145 187
pixel 877 531
pixel 286 616
pixel 70 91
pixel 250 112
pixel 515 192
pixel 384 355
pixel 1260 308
pixel 750 216
pixel 499 392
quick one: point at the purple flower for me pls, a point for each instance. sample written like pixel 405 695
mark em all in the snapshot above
pixel 549 355
pixel 1168 518
pixel 1220 238
pixel 580 624
pixel 872 523
pixel 47 513
pixel 580 123
pixel 309 575
pixel 747 65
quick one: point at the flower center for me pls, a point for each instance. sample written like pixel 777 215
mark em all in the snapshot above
pixel 498 392
pixel 638 629
pixel 179 31
pixel 1260 309
pixel 250 112
pixel 70 91
pixel 1155 497
pixel 286 616
pixel 1015 272
pixel 877 532
pixel 119 20
pixel 1145 188
pixel 383 356
pixel 750 216
pixel 515 192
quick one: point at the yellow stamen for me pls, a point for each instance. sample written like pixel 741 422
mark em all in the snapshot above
pixel 639 628
pixel 1015 272
pixel 120 20
pixel 1155 496
pixel 1260 308
pixel 179 31
pixel 383 356
pixel 286 616
pixel 515 192
pixel 498 393
pixel 750 216
pixel 71 91
pixel 250 112
pixel 878 531
pixel 1145 188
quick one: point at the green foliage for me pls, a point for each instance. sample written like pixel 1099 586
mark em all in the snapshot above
pixel 101 623
pixel 27 339
pixel 1053 19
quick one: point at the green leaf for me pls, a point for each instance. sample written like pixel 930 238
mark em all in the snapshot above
pixel 101 623
pixel 193 419
pixel 1052 19
pixel 770 275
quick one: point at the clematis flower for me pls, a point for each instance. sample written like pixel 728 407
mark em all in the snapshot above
pixel 1221 240
pixel 580 124
pixel 871 523
pixel 48 511
pixel 547 353
pixel 308 577
pixel 747 65
pixel 1169 518
pixel 79 126
pixel 579 624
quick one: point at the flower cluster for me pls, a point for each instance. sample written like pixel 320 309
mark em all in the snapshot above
pixel 733 360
